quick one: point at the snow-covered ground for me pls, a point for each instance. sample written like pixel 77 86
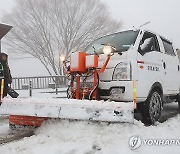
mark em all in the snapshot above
pixel 4 127
pixel 64 137
pixel 57 137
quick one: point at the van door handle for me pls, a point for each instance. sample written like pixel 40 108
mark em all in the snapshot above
pixel 164 65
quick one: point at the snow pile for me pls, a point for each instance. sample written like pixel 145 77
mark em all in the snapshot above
pixel 69 109
pixel 58 137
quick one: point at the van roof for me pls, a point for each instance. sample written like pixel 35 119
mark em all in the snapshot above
pixel 141 29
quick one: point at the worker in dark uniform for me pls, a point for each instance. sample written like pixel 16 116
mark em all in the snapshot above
pixel 1 81
pixel 6 72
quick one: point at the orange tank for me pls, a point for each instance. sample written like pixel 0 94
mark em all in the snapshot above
pixel 78 62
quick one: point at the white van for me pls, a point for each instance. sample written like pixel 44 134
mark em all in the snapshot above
pixel 144 67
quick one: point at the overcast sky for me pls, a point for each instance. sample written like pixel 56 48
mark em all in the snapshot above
pixel 163 15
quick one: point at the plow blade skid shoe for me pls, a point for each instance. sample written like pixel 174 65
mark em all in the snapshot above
pixel 69 109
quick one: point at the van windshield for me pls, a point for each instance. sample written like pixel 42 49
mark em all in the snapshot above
pixel 122 41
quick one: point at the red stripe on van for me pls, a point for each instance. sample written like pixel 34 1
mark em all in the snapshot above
pixel 141 62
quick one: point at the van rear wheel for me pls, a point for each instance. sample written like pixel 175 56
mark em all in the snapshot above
pixel 151 108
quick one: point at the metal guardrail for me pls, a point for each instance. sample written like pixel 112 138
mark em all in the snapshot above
pixel 41 82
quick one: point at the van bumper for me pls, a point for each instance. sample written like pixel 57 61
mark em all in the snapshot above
pixel 116 90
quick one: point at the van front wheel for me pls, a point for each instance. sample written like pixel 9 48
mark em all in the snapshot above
pixel 151 108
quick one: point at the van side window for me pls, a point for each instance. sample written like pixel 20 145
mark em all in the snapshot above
pixel 154 43
pixel 168 47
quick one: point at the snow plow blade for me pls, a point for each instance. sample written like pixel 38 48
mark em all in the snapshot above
pixel 69 109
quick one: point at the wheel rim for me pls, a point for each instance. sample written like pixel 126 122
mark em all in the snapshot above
pixel 155 106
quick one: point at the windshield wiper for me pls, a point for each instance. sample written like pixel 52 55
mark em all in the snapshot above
pixel 94 50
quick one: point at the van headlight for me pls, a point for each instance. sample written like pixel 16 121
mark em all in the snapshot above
pixel 122 71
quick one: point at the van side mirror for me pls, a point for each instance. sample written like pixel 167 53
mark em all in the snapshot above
pixel 147 46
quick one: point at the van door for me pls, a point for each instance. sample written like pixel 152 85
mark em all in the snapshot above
pixel 149 62
pixel 170 66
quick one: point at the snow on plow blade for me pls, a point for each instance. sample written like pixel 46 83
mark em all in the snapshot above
pixel 69 109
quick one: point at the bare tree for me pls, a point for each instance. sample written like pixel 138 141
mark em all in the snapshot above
pixel 45 29
pixel 178 52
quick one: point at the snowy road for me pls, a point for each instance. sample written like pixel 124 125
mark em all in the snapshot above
pixel 7 135
pixel 169 111
pixel 4 127
pixel 62 137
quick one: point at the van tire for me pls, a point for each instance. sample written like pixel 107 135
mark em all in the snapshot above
pixel 151 108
